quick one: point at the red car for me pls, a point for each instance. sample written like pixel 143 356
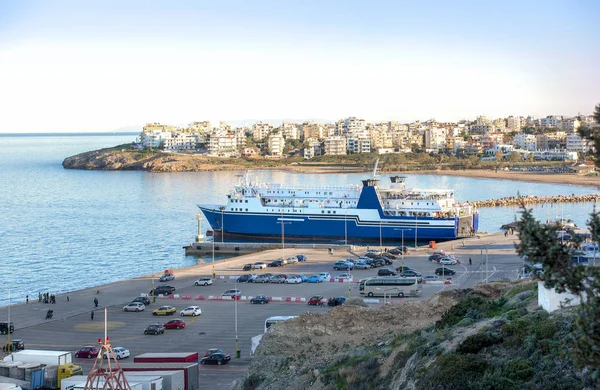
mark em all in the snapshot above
pixel 316 300
pixel 89 351
pixel 175 324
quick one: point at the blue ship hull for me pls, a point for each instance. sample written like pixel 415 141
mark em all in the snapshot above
pixel 320 227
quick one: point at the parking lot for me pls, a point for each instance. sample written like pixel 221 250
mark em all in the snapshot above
pixel 71 326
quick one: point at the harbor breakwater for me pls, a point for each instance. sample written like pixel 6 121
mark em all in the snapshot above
pixel 533 199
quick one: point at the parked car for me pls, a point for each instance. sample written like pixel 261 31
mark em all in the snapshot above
pixel 260 299
pixel 362 265
pixel 134 306
pixel 316 300
pixel 212 351
pixel 398 250
pixel 292 260
pixel 430 277
pixel 260 265
pixel 303 278
pixel 343 265
pixel 377 263
pixel 247 267
pixel 216 358
pixel 301 257
pixel 89 351
pixel 120 353
pixel 443 271
pixel 373 253
pixel 390 256
pixel 244 278
pixel 204 282
pixel 175 324
pixel 315 279
pixel 385 272
pixel 278 279
pixel 448 261
pixel 404 268
pixel 275 263
pixel 435 258
pixel 337 301
pixel 155 329
pixel 325 275
pixel 166 310
pixel 232 293
pixel 345 277
pixel 387 261
pixel 144 300
pixel 166 278
pixel 262 279
pixel 293 280
pixel 410 273
pixel 165 289
pixel 191 311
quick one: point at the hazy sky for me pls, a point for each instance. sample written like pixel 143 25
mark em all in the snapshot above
pixel 103 65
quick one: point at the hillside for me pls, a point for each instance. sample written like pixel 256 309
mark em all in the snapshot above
pixel 491 337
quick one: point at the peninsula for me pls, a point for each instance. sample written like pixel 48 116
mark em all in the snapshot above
pixel 123 157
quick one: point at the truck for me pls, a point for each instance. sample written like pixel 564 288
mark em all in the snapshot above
pixel 191 372
pixel 47 368
pixel 167 357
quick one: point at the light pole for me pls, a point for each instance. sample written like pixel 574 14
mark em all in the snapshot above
pixel 380 240
pixel 213 255
pixel 222 225
pixel 346 228
pixel 235 299
pixel 416 230
pixel 153 292
pixel 282 236
pixel 8 325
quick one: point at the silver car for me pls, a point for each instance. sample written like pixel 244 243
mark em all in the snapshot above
pixel 134 306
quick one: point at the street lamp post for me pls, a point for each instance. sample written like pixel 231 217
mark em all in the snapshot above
pixel 222 225
pixel 8 325
pixel 153 292
pixel 380 239
pixel 346 228
pixel 282 236
pixel 416 230
pixel 235 299
pixel 213 256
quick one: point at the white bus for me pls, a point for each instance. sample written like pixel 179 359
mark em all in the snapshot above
pixel 392 286
pixel 273 320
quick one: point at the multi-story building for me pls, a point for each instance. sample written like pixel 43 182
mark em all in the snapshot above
pixel 481 129
pixel 499 124
pixel 335 145
pixel 380 135
pixel 313 149
pixel 290 130
pixel 203 127
pixel 354 127
pixel 541 141
pixel 358 145
pixel 577 144
pixel 514 123
pixel 482 121
pixel 312 130
pixel 435 139
pixel 276 144
pixel 525 141
pixel 569 124
pixel 549 121
pixel 260 131
pixel 182 142
pixel 490 140
pixel 223 144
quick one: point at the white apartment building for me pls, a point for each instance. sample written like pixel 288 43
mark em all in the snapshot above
pixel 313 150
pixel 549 121
pixel 435 139
pixel 276 144
pixel 335 145
pixel 358 145
pixel 312 130
pixel 569 124
pixel 355 128
pixel 153 138
pixel 181 142
pixel 290 130
pixel 223 144
pixel 577 144
pixel 381 136
pixel 200 127
pixel 514 123
pixel 481 129
pixel 260 131
pixel 525 141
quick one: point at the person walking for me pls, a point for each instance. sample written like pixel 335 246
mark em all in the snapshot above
pixel 92 315
pixel 470 261
pixel 27 299
pixel 95 302
pixel 68 300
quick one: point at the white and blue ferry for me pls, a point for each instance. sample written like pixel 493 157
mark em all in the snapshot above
pixel 350 213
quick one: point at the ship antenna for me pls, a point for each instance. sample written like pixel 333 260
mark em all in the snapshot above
pixel 375 169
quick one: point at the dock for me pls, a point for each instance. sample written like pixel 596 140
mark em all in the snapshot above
pixel 242 248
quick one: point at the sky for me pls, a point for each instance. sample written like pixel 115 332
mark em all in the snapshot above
pixel 102 65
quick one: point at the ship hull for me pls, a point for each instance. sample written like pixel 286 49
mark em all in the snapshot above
pixel 339 227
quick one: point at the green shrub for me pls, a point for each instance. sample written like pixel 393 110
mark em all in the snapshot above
pixel 519 369
pixel 452 371
pixel 476 342
pixel 495 381
pixel 252 382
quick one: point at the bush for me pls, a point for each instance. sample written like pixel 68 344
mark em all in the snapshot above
pixel 519 369
pixel 452 371
pixel 477 342
pixel 495 381
pixel 252 382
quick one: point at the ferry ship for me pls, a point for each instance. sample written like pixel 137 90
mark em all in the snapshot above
pixel 350 213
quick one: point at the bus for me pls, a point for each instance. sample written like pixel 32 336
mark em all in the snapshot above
pixel 393 286
pixel 273 320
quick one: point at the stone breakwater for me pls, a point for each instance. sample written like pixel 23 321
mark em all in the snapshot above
pixel 532 199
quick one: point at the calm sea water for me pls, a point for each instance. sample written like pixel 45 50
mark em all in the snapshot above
pixel 62 230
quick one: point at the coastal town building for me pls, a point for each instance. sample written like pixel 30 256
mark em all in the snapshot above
pixel 312 130
pixel 290 130
pixel 513 123
pixel 577 144
pixel 260 131
pixel 526 141
pixel 335 145
pixel 223 144
pixel 358 145
pixel 276 143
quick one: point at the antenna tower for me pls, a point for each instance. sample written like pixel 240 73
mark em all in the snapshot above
pixel 106 374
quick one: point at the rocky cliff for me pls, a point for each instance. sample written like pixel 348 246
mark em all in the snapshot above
pixel 124 158
pixel 491 337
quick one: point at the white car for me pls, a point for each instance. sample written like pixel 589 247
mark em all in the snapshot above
pixel 191 311
pixel 260 266
pixel 120 353
pixel 292 260
pixel 361 265
pixel 204 282
pixel 293 280
pixel 345 277
pixel 448 261
pixel 325 275
pixel 134 306
pixel 431 277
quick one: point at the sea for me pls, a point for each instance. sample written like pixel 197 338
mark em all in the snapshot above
pixel 63 230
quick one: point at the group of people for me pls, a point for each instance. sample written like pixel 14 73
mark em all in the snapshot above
pixel 45 297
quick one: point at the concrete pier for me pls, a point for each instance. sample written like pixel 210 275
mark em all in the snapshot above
pixel 239 248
